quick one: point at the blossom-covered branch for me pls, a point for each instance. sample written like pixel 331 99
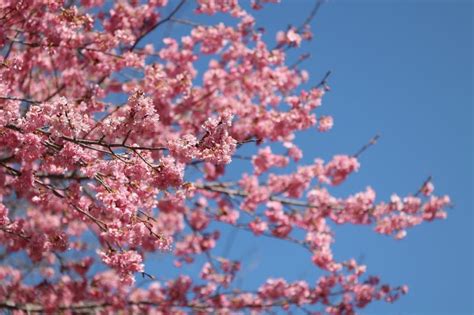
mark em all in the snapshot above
pixel 117 146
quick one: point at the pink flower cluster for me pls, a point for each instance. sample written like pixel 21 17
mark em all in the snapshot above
pixel 266 160
pixel 125 264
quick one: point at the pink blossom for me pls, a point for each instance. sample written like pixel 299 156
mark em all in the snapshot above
pixel 266 159
pixel 291 37
pixel 325 123
pixel 199 220
pixel 213 6
pixel 217 145
pixel 340 167
pixel 258 226
pixel 293 151
pixel 125 264
pixel 168 173
pixel 427 188
pixel 256 194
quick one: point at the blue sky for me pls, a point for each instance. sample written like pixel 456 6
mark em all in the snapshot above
pixel 402 69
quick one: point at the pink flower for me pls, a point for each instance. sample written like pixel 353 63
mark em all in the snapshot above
pixel 258 226
pixel 199 220
pixel 293 151
pixel 266 159
pixel 291 37
pixel 256 194
pixel 427 188
pixel 325 123
pixel 340 167
pixel 168 173
pixel 125 263
pixel 217 146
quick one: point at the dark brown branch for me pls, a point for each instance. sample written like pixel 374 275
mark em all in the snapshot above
pixel 11 170
pixel 312 14
pixel 241 193
pixel 366 146
pixel 429 179
pixel 91 307
pixel 302 58
pixel 324 81
pixel 58 90
pixel 98 142
pixel 186 22
pixel 102 225
pixel 12 98
pixel 63 176
pixel 5 230
pixel 181 3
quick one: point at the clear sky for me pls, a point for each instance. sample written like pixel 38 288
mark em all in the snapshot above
pixel 402 69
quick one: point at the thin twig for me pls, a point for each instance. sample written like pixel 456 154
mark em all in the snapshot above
pixel 302 58
pixel 241 193
pixel 181 3
pixel 187 22
pixel 311 15
pixel 427 180
pixel 12 98
pixel 324 81
pixel 366 146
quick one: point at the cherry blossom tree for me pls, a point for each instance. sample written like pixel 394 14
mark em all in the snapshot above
pixel 91 186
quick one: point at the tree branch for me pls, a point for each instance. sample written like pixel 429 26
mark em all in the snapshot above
pixel 181 3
